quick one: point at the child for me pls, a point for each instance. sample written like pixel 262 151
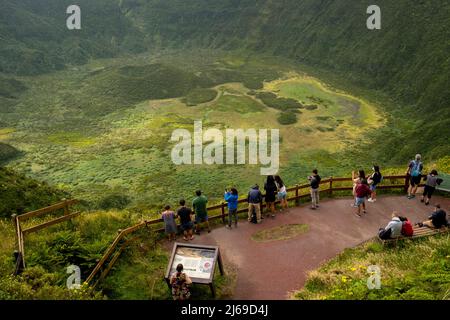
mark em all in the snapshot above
pixel 169 223
pixel 430 186
pixel 362 190
pixel 374 179
pixel 357 181
pixel 282 193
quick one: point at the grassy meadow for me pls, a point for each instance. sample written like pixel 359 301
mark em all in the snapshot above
pixel 102 131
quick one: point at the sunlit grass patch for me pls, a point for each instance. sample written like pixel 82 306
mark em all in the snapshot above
pixel 279 233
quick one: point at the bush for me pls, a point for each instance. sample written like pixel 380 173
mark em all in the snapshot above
pixel 114 201
pixel 287 118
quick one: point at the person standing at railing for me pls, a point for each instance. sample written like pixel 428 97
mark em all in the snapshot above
pixel 362 191
pixel 254 199
pixel 185 214
pixel 201 213
pixel 271 192
pixel 314 182
pixel 282 193
pixel 356 181
pixel 414 170
pixel 170 225
pixel 432 181
pixel 231 197
pixel 374 179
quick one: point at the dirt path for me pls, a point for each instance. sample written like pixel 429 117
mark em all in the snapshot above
pixel 271 270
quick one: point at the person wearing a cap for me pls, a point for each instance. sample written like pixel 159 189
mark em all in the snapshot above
pixel 415 168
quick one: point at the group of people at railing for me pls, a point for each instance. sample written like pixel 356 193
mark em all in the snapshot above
pixel 364 187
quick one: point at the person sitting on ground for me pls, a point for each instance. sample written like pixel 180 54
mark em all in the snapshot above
pixel 201 213
pixel 170 225
pixel 231 197
pixel 282 193
pixel 393 229
pixel 362 191
pixel 180 283
pixel 374 179
pixel 432 181
pixel 414 170
pixel 271 192
pixel 436 220
pixel 407 228
pixel 185 215
pixel 254 199
pixel 314 182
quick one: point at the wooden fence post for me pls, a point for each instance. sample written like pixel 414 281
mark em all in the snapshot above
pixel 297 199
pixel 223 212
pixel 406 183
pixel 330 192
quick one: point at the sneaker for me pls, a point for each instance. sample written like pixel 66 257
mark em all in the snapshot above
pixel 364 211
pixel 427 203
pixel 422 200
pixel 228 226
pixel 371 200
pixel 192 238
pixel 273 216
pixel 185 239
pixel 358 215
pixel 209 231
pixel 313 208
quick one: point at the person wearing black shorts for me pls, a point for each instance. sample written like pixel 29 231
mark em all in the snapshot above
pixel 185 213
pixel 430 186
pixel 415 168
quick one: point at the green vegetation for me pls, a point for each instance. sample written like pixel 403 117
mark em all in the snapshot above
pixel 19 194
pixel 414 270
pixel 279 233
pixel 287 118
pixel 92 113
pixel 139 273
pixel 7 152
pixel 198 96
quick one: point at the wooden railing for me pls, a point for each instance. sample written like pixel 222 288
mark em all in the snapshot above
pixel 296 194
pixel 18 220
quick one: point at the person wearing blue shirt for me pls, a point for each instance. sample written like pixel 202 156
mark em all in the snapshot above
pixel 231 197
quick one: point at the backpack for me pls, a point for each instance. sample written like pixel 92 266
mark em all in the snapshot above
pixel 407 229
pixel 415 170
pixel 384 234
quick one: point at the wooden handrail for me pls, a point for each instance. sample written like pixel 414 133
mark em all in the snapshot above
pixel 48 209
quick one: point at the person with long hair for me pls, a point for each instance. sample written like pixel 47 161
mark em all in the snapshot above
pixel 374 179
pixel 282 193
pixel 271 191
pixel 170 226
pixel 180 283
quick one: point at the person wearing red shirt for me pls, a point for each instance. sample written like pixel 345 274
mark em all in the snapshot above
pixel 362 190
